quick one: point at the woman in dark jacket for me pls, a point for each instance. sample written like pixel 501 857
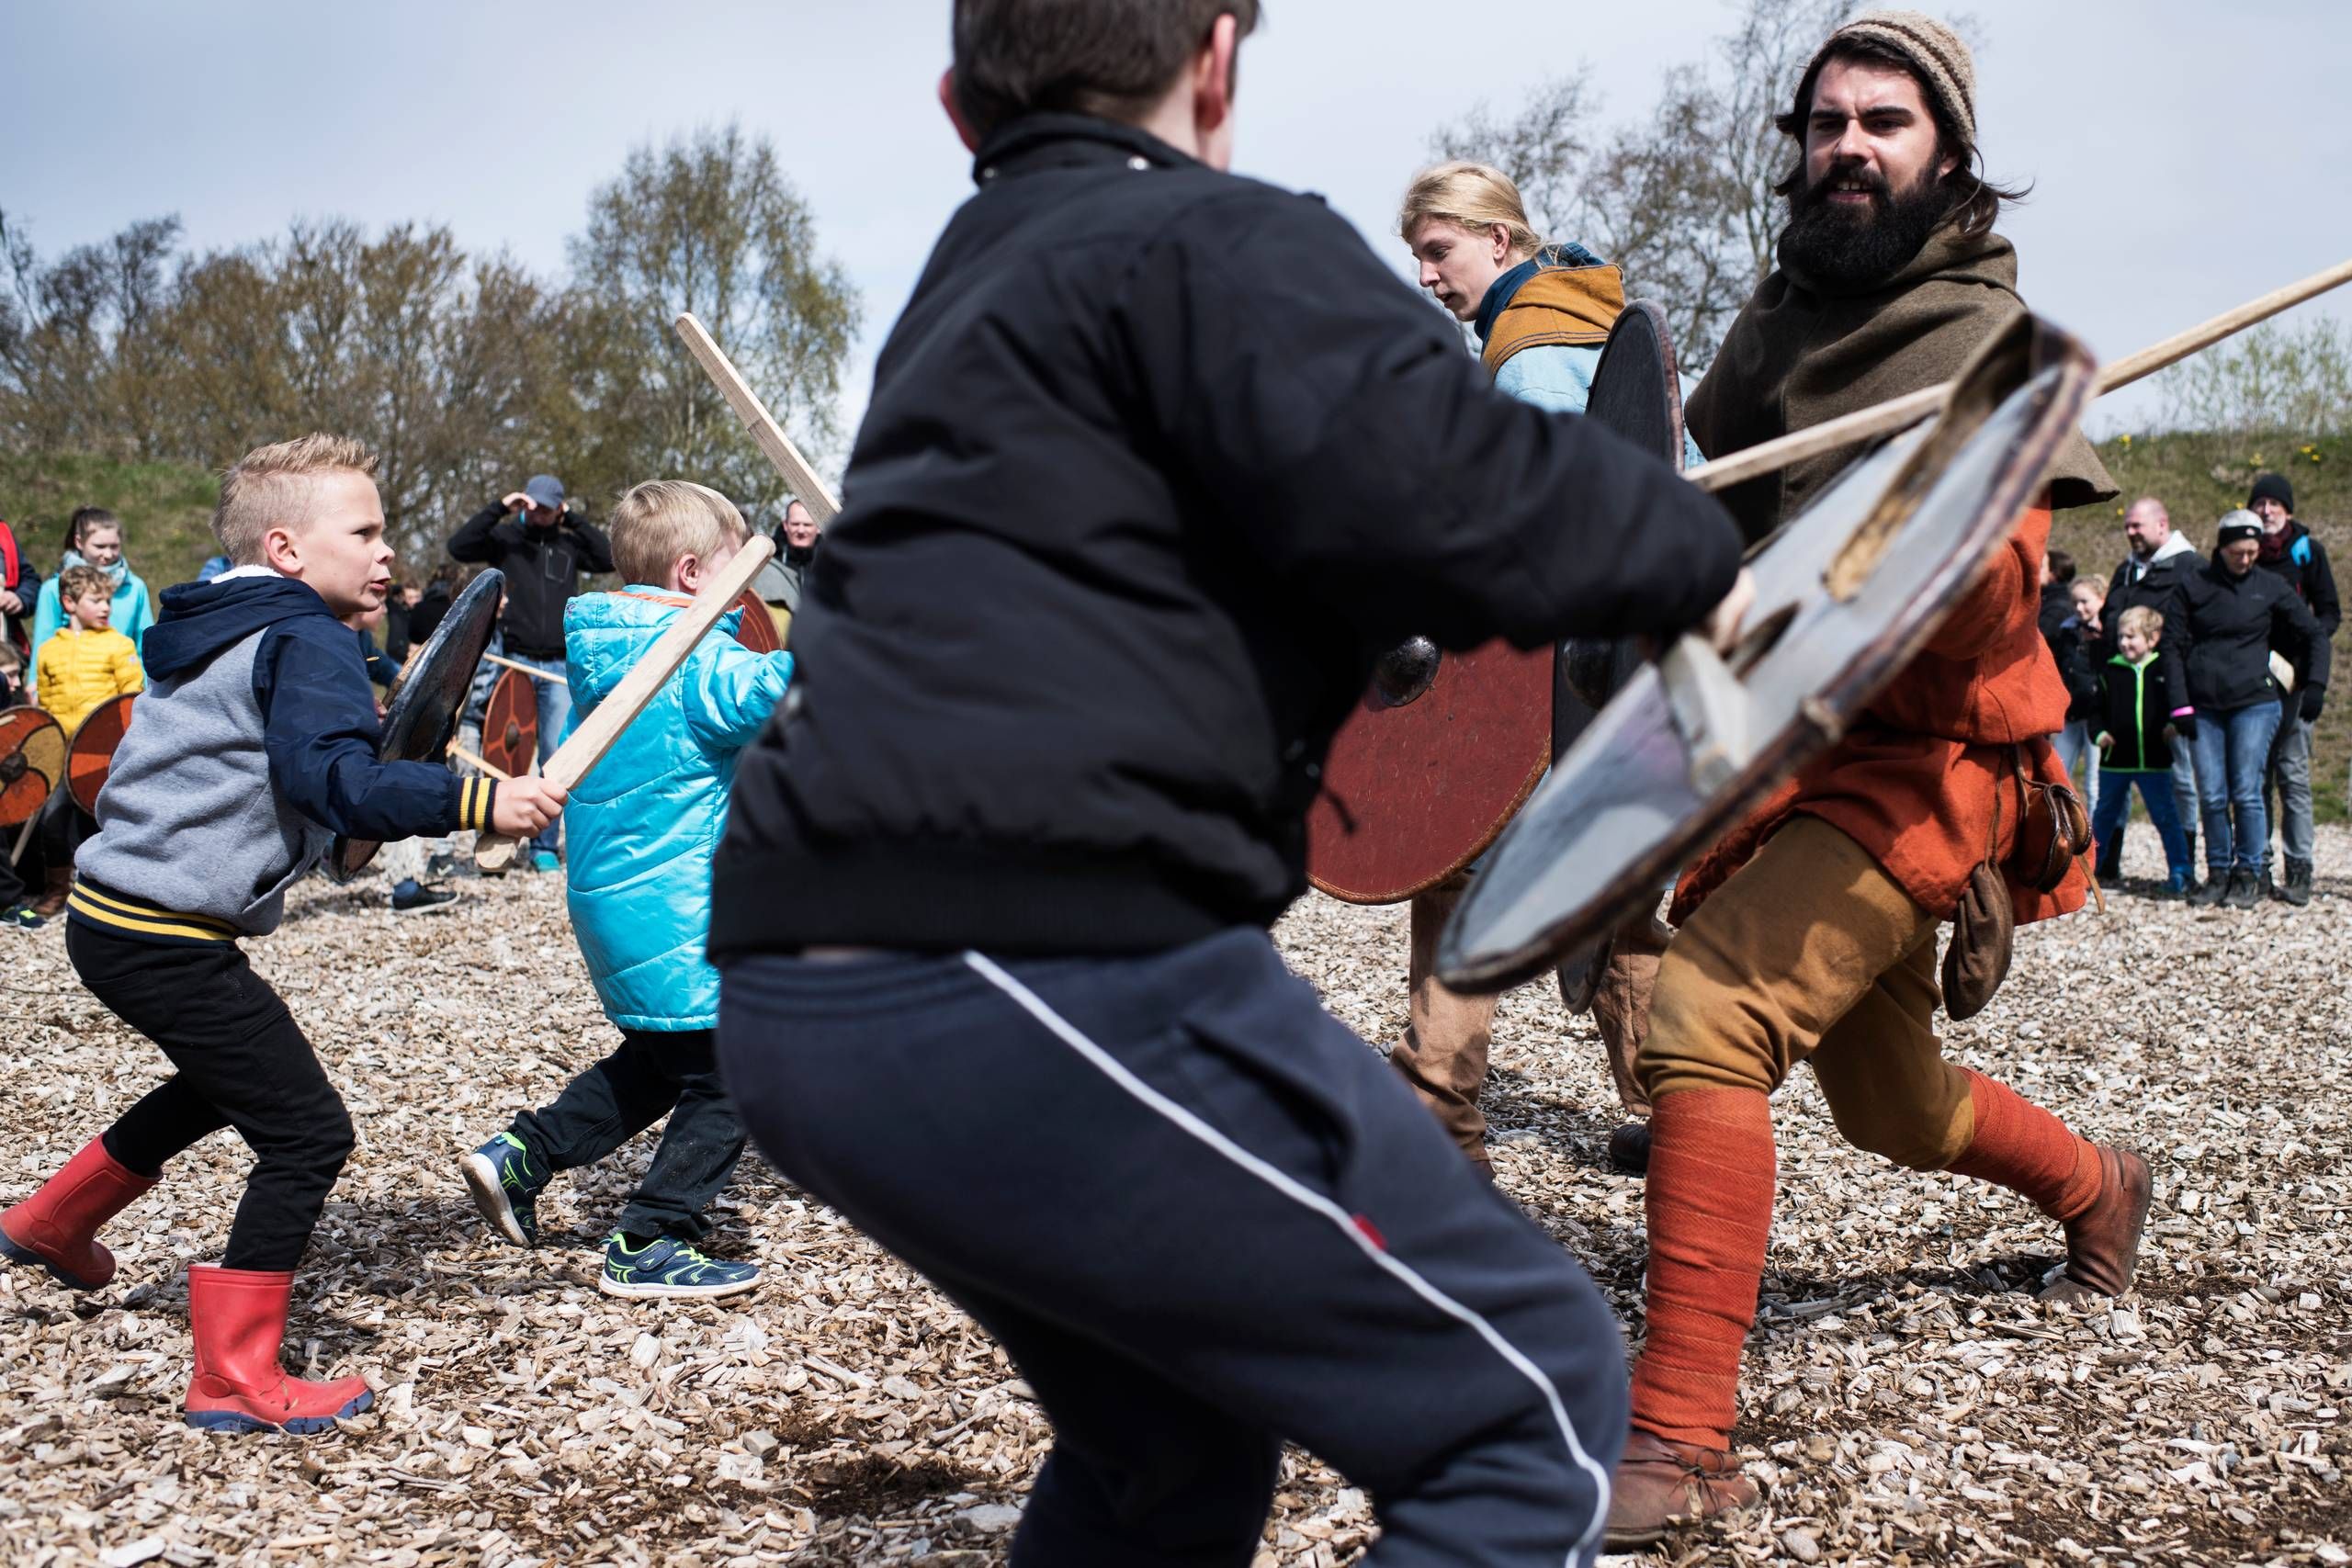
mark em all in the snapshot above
pixel 2235 618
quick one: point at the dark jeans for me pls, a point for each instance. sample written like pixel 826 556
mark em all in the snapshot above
pixel 1202 1217
pixel 2233 754
pixel 652 1074
pixel 2287 783
pixel 242 1063
pixel 2114 809
pixel 12 886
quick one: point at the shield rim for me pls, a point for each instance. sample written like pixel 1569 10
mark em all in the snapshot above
pixel 490 750
pixel 2012 363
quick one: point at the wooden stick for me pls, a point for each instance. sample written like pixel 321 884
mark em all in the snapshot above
pixel 806 486
pixel 24 838
pixel 590 740
pixel 1898 414
pixel 534 671
pixel 477 764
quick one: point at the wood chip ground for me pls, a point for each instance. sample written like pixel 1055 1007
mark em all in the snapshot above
pixel 1907 1398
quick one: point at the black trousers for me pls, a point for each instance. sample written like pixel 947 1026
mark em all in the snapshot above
pixel 653 1074
pixel 243 1062
pixel 1202 1217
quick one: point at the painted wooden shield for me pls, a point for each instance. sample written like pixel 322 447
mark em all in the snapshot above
pixel 756 627
pixel 510 724
pixel 1846 595
pixel 32 764
pixel 1441 751
pixel 90 753
pixel 431 699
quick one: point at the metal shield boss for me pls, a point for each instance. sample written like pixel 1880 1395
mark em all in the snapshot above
pixel 1848 593
pixel 89 756
pixel 431 700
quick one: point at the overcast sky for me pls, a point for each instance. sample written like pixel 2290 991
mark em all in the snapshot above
pixel 2186 155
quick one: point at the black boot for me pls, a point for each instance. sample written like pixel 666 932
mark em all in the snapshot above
pixel 2298 890
pixel 2245 891
pixel 2216 883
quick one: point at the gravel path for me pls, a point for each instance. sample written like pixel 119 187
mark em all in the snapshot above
pixel 1907 1398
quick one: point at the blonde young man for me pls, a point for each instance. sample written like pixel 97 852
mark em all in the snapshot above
pixel 255 745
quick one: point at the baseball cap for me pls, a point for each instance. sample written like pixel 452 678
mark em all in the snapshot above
pixel 545 490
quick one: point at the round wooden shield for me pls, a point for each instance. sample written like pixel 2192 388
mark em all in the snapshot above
pixel 1440 751
pixel 756 627
pixel 510 725
pixel 431 699
pixel 1846 595
pixel 32 764
pixel 90 753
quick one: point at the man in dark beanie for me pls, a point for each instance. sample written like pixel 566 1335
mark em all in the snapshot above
pixel 2290 550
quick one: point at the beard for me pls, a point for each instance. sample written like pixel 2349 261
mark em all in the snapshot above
pixel 1850 250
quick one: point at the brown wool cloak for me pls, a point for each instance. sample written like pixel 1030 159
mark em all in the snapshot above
pixel 1798 356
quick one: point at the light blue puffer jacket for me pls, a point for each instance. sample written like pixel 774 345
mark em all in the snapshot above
pixel 641 827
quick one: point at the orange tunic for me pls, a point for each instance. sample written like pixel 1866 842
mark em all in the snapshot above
pixel 1914 781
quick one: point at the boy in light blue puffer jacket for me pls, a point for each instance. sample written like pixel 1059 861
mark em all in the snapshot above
pixel 644 824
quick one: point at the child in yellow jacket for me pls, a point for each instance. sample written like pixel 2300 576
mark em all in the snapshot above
pixel 87 663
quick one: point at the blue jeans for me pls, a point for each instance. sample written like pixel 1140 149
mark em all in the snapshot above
pixel 2114 809
pixel 555 710
pixel 2233 754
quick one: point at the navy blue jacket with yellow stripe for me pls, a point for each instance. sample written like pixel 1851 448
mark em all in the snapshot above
pixel 254 745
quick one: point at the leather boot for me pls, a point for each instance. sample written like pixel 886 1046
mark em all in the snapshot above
pixel 1662 1485
pixel 1629 1149
pixel 56 1227
pixel 55 884
pixel 2297 889
pixel 237 1317
pixel 2245 891
pixel 2103 1241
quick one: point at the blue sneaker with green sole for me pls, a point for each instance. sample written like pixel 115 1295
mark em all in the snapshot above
pixel 506 1187
pixel 666 1267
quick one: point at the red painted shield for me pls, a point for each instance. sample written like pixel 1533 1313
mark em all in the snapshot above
pixel 510 725
pixel 756 630
pixel 90 753
pixel 1429 769
pixel 32 762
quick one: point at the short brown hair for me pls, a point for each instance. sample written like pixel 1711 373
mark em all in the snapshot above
pixel 1109 58
pixel 661 520
pixel 2145 619
pixel 77 581
pixel 260 487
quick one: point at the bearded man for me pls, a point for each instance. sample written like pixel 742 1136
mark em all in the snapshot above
pixel 1810 932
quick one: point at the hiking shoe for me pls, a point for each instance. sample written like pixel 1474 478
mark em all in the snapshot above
pixel 2216 885
pixel 2245 891
pixel 2297 889
pixel 543 861
pixel 23 916
pixel 506 1187
pixel 664 1267
pixel 422 900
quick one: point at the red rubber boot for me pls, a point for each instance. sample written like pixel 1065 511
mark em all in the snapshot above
pixel 237 1317
pixel 56 1227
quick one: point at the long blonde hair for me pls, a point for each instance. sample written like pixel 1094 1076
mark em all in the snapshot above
pixel 1470 196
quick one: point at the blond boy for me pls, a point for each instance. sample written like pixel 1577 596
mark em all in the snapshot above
pixel 87 663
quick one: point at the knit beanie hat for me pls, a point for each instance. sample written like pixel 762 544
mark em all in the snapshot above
pixel 2236 526
pixel 1942 62
pixel 2275 488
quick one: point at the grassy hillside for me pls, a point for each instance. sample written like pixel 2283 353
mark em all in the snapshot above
pixel 168 508
pixel 2199 477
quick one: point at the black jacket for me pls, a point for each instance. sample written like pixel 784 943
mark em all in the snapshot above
pixel 2232 625
pixel 542 568
pixel 2302 562
pixel 2159 587
pixel 2133 715
pixel 1157 460
pixel 2070 648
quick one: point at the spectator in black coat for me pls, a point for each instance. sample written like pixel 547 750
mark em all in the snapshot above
pixel 2159 561
pixel 2071 638
pixel 2289 549
pixel 2236 619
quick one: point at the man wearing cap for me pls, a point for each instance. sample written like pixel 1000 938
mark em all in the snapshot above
pixel 542 543
pixel 1810 932
pixel 2290 550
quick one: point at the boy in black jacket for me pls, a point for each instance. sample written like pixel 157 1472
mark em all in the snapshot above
pixel 1124 539
pixel 255 745
pixel 2136 732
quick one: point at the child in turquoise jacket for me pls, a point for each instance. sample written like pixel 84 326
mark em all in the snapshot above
pixel 641 830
